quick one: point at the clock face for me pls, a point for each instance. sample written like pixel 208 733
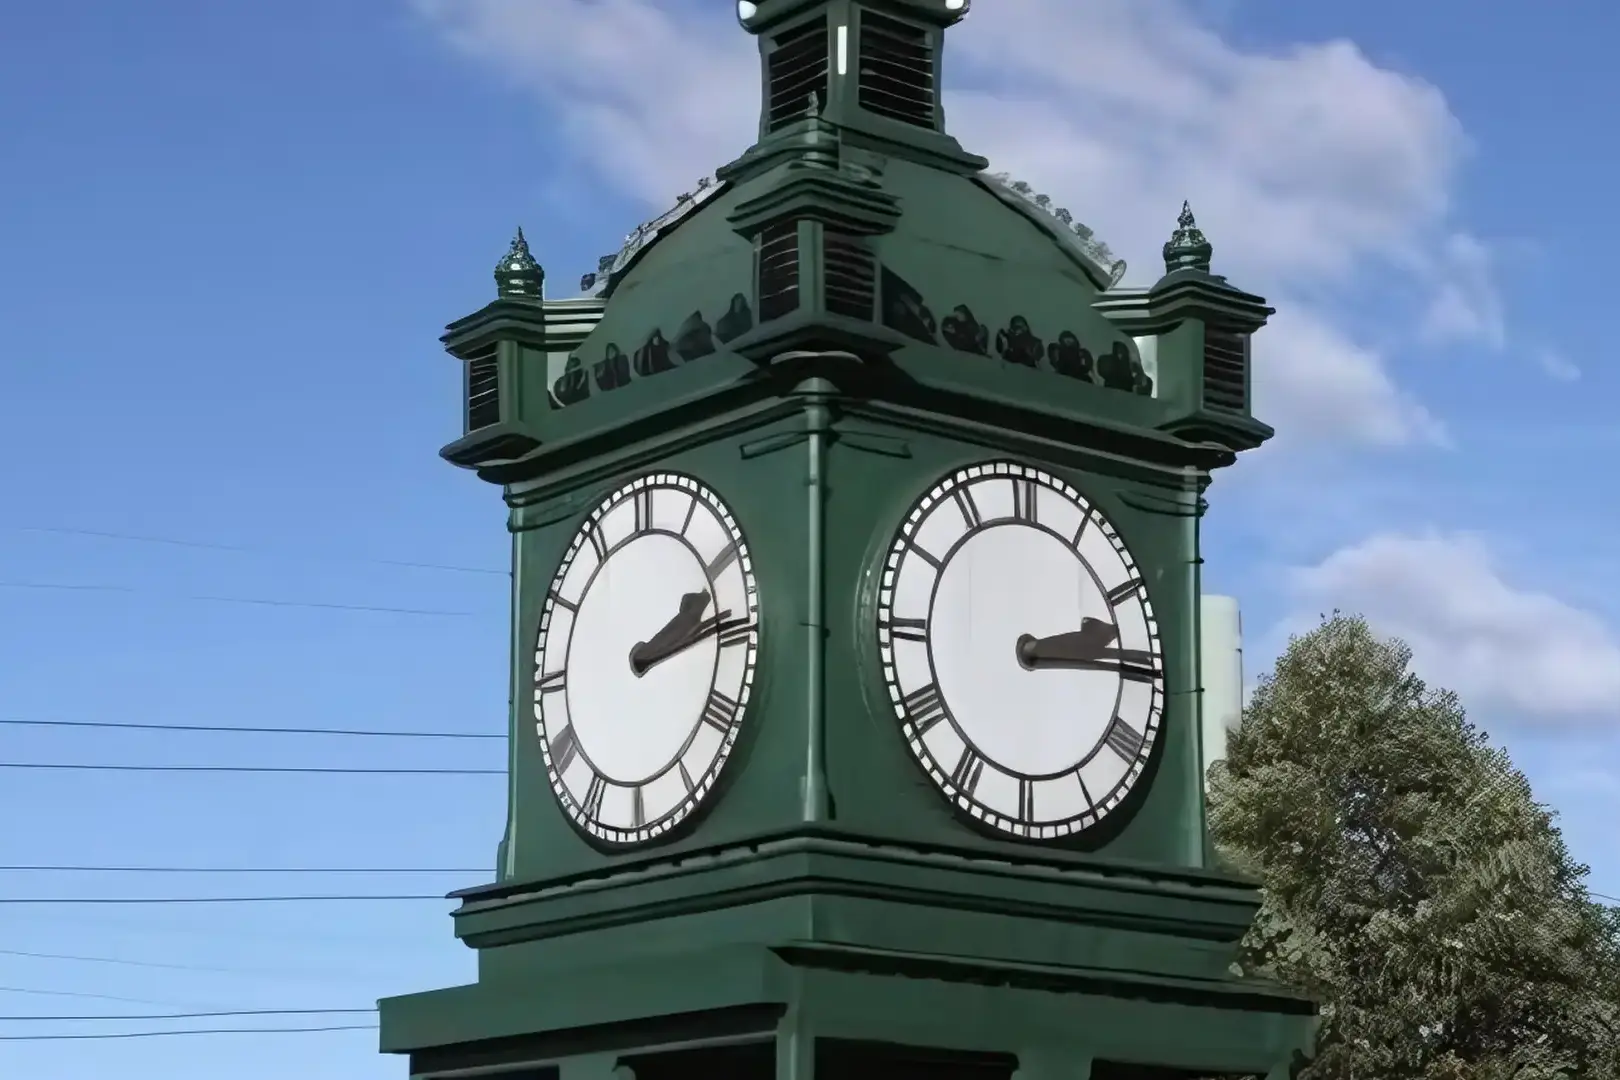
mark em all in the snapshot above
pixel 1020 651
pixel 645 658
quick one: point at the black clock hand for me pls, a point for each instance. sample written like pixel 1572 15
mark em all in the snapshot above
pixel 649 659
pixel 1086 649
pixel 674 635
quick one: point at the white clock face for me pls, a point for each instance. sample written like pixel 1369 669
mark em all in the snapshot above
pixel 645 658
pixel 1020 651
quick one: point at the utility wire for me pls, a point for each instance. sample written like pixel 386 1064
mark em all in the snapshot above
pixel 32 992
pixel 29 869
pixel 188 1031
pixel 159 965
pixel 120 963
pixel 309 899
pixel 84 767
pixel 257 601
pixel 245 550
pixel 228 729
pixel 220 1014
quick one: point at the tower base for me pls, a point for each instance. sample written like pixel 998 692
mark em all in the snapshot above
pixel 803 1011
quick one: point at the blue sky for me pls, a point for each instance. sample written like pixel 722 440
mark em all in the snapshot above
pixel 230 235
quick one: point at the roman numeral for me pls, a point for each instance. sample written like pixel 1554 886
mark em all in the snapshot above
pixel 638 809
pixel 1080 530
pixel 551 682
pixel 909 629
pixel 563 602
pixel 644 510
pixel 598 541
pixel 686 777
pixel 1024 500
pixel 926 708
pixel 735 632
pixel 1026 799
pixel 963 498
pixel 1085 793
pixel 725 558
pixel 564 747
pixel 592 806
pixel 911 546
pixel 691 512
pixel 720 712
pixel 1124 740
pixel 1122 592
pixel 969 767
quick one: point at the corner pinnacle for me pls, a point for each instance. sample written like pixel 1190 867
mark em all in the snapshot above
pixel 1187 248
pixel 517 274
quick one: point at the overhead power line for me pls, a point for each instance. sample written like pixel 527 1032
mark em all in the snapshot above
pixel 153 964
pixel 72 766
pixel 188 1031
pixel 310 899
pixel 230 729
pixel 204 545
pixel 40 868
pixel 256 601
pixel 214 1015
pixel 34 992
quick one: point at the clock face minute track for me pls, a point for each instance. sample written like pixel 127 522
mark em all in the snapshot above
pixel 645 658
pixel 1020 651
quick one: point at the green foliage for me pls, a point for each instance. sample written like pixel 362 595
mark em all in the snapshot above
pixel 1413 885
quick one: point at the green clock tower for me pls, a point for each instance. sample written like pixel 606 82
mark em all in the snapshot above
pixel 855 576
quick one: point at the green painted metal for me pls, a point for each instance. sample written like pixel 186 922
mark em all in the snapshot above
pixel 826 912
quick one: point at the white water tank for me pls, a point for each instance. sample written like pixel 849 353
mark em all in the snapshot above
pixel 1221 656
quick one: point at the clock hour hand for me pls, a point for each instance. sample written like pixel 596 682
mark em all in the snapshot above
pixel 1089 648
pixel 686 629
pixel 673 637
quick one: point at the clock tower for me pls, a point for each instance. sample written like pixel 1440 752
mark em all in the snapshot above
pixel 855 722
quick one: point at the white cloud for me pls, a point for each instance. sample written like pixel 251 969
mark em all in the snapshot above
pixel 1307 166
pixel 1557 365
pixel 1322 382
pixel 1503 647
pixel 1466 305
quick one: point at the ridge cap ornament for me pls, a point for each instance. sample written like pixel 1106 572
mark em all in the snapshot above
pixel 596 282
pixel 1074 232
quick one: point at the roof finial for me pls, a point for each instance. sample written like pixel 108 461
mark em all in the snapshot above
pixel 1187 248
pixel 517 274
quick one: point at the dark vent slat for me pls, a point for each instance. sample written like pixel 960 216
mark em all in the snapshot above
pixel 849 277
pixel 483 390
pixel 910 48
pixel 1225 370
pixel 889 103
pixel 893 81
pixel 796 68
pixel 897 71
pixel 778 270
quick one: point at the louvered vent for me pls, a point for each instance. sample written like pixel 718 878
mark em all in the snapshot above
pixel 897 70
pixel 795 69
pixel 1225 370
pixel 483 389
pixel 778 270
pixel 851 276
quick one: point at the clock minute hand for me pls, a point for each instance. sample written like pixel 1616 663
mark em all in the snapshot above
pixel 677 634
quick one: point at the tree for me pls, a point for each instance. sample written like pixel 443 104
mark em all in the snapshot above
pixel 1412 884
